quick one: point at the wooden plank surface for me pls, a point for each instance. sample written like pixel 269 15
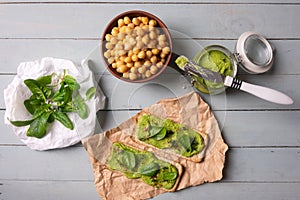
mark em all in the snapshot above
pixel 263 138
pixel 242 164
pixel 223 21
pixel 239 128
pixel 47 190
pixel 125 95
pixel 157 1
pixel 24 50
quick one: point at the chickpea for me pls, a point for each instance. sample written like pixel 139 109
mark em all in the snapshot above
pixel 152 22
pixel 146 28
pixel 126 75
pixel 110 60
pixel 162 44
pixel 122 52
pixel 108 37
pixel 153 69
pixel 149 54
pixel 127 59
pixel 139 44
pixel 130 53
pixel 121 36
pixel 153 59
pixel 114 40
pixel 159 64
pixel 119 46
pixel 119 63
pixel 152 35
pixel 114 65
pixel 131 25
pixel 107 54
pixel 109 46
pixel 145 39
pixel 133 70
pixel 123 29
pixel 142 69
pixel 166 50
pixel 141 55
pixel 145 20
pixel 163 55
pixel 129 65
pixel 148 73
pixel 162 37
pixel 131 41
pixel 123 69
pixel 134 58
pixel 127 20
pixel 127 46
pixel 121 22
pixel 137 64
pixel 152 45
pixel 155 51
pixel 136 48
pixel 136 21
pixel 140 31
pixel 133 76
pixel 115 31
pixel 147 63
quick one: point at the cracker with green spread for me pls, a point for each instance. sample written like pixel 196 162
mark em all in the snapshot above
pixel 170 136
pixel 144 165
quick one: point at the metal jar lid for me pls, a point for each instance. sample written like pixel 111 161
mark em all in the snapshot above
pixel 254 53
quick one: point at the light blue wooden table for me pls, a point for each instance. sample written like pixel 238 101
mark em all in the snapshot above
pixel 263 161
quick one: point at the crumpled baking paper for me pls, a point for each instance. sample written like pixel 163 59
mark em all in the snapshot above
pixel 189 110
pixel 57 136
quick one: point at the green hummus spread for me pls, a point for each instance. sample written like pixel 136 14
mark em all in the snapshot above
pixel 214 60
pixel 136 164
pixel 166 134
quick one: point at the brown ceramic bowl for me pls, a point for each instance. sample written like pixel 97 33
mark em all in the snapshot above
pixel 131 14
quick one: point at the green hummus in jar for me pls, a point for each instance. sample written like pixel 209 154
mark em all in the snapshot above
pixel 218 59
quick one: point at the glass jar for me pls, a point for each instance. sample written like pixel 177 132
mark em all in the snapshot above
pixel 216 58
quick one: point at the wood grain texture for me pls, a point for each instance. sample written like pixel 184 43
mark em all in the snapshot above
pixel 72 164
pixel 224 21
pixel 85 190
pixel 15 51
pixel 263 138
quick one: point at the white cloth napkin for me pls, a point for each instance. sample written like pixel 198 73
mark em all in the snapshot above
pixel 57 135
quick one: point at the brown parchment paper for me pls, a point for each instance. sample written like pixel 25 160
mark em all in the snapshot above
pixel 189 110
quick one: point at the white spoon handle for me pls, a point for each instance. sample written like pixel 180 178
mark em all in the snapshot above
pixel 259 91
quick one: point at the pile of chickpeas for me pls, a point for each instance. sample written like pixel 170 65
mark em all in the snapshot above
pixel 137 48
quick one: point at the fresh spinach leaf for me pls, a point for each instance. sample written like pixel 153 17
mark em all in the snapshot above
pixel 169 176
pixel 47 104
pixel 21 123
pixel 154 130
pixel 80 106
pixel 34 87
pixel 185 142
pixel 45 80
pixel 161 135
pixel 150 169
pixel 128 159
pixel 90 93
pixel 47 91
pixel 71 82
pixel 63 119
pixel 51 118
pixel 38 128
pixel 31 105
